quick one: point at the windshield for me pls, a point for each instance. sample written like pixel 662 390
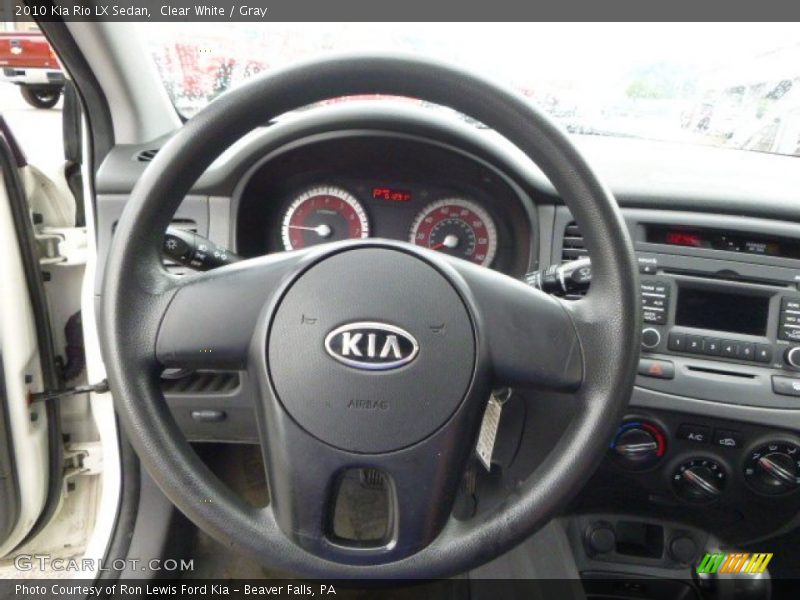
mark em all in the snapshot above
pixel 728 85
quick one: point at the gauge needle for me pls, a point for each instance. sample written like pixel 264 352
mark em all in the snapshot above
pixel 450 241
pixel 321 230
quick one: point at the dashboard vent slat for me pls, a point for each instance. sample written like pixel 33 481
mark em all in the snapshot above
pixel 147 155
pixel 184 224
pixel 201 383
pixel 572 245
pixel 572 248
pixel 569 254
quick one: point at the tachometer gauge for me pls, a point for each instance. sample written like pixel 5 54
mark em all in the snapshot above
pixel 323 214
pixel 456 227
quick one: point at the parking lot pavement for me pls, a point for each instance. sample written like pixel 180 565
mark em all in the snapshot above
pixel 38 131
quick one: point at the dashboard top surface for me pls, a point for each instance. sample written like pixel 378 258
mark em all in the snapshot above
pixel 642 174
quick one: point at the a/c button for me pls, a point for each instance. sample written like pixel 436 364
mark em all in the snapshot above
pixel 694 433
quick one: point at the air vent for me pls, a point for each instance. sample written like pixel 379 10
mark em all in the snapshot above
pixel 147 155
pixel 572 247
pixel 201 383
pixel 184 224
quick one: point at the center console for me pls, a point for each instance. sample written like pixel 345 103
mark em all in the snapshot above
pixel 711 443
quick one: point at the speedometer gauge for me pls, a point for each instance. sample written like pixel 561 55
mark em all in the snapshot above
pixel 456 227
pixel 323 214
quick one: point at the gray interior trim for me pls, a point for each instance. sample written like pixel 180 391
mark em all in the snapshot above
pixel 780 418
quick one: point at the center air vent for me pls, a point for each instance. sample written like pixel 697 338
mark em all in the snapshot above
pixel 572 247
pixel 147 155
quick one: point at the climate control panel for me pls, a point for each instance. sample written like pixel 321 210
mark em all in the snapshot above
pixel 702 461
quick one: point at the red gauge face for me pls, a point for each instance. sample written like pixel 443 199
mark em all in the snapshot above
pixel 456 227
pixel 323 214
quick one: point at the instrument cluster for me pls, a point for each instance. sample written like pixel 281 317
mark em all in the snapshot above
pixel 400 190
pixel 454 225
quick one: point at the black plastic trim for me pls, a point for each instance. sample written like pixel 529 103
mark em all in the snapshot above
pixel 127 510
pixel 91 95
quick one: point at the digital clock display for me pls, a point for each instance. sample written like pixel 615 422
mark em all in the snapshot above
pixel 683 238
pixel 393 194
pixel 727 240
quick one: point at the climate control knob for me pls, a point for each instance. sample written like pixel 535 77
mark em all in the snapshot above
pixel 638 444
pixel 774 468
pixel 699 480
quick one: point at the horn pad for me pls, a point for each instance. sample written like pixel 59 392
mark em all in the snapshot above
pixel 371 350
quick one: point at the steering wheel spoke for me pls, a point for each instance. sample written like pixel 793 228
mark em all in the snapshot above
pixel 532 337
pixel 210 320
pixel 307 479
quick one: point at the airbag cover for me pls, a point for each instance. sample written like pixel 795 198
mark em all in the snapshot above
pixel 368 408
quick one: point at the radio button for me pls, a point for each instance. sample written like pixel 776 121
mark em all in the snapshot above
pixel 711 346
pixel 694 343
pixel 654 301
pixel 785 386
pixel 790 332
pixel 790 304
pixel 677 342
pixel 747 351
pixel 763 353
pixel 657 316
pixel 648 268
pixel 729 349
pixel 654 287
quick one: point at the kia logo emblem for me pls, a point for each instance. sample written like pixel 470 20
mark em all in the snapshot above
pixel 371 346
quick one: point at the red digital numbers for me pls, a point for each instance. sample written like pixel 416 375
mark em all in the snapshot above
pixel 683 238
pixel 384 193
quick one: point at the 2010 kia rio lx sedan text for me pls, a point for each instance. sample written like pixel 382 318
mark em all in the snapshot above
pixel 324 304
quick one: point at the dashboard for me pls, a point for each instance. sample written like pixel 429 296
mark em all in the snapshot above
pixel 383 186
pixel 714 418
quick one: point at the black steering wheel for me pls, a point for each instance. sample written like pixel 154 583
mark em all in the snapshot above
pixel 371 353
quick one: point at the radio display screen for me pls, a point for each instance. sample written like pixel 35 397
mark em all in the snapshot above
pixel 730 241
pixel 733 313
